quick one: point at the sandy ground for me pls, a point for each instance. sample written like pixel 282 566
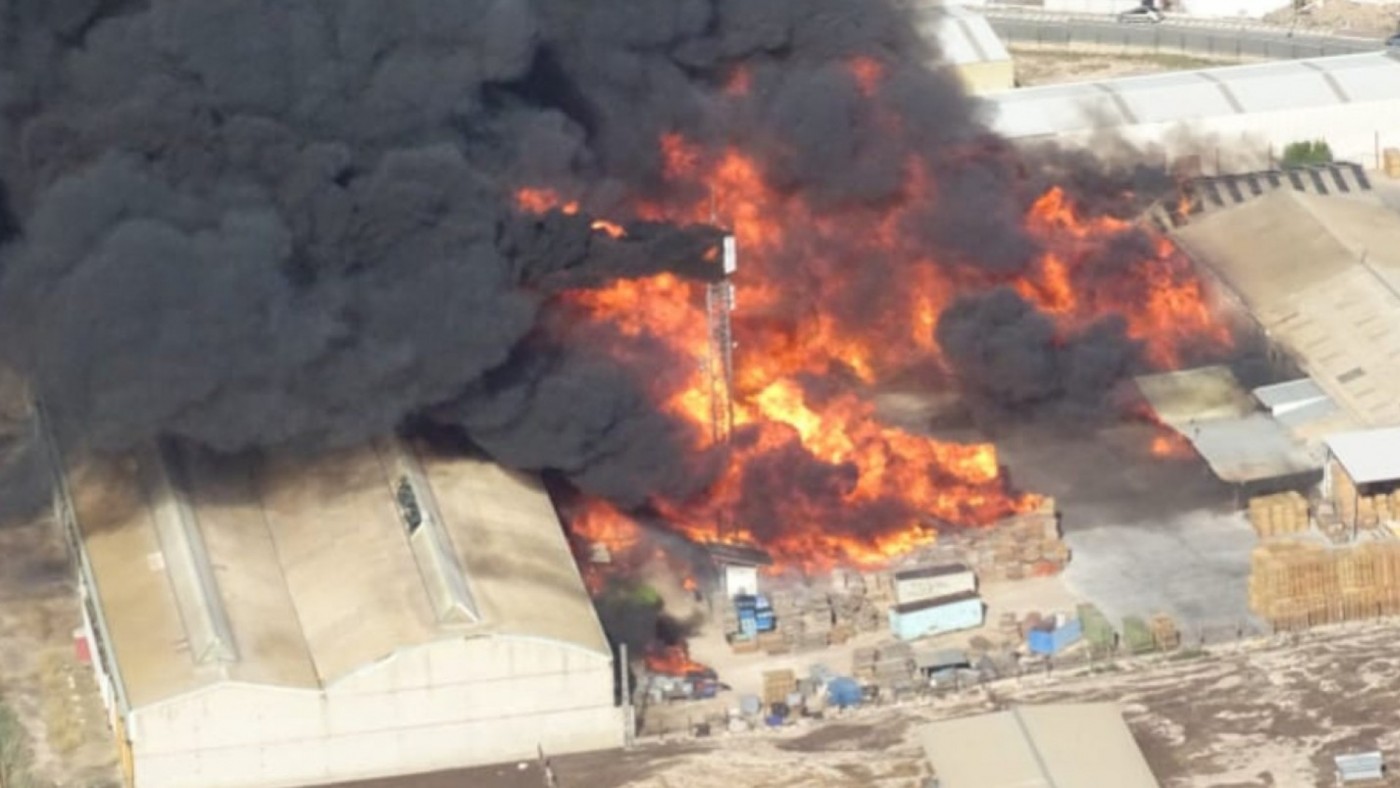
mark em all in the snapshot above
pixel 1343 18
pixel 1268 712
pixel 1052 67
pixel 744 672
pixel 53 694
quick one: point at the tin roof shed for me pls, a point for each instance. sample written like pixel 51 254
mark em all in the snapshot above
pixel 1071 745
pixel 1360 767
pixel 1369 456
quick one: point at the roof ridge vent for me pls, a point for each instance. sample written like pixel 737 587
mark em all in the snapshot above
pixel 187 562
pixel 443 578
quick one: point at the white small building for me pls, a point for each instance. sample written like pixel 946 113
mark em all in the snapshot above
pixel 376 612
pixel 921 583
pixel 738 567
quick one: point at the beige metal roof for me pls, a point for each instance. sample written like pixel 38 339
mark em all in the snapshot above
pixel 1209 408
pixel 1056 746
pixel 1182 398
pixel 295 572
pixel 1369 456
pixel 1322 276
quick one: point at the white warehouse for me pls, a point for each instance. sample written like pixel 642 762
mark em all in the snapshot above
pixel 1245 113
pixel 379 611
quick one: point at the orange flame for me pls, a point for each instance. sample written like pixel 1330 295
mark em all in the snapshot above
pixel 817 480
pixel 868 73
pixel 1171 445
pixel 672 661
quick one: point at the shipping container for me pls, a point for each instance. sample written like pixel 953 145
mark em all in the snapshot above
pixel 934 616
pixel 931 582
pixel 1137 637
pixel 1097 630
pixel 1053 641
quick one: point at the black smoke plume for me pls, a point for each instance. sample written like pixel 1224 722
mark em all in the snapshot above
pixel 253 223
pixel 1005 350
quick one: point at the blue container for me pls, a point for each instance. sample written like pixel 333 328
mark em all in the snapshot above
pixel 760 602
pixel 748 626
pixel 916 621
pixel 765 621
pixel 843 692
pixel 1053 641
pixel 745 602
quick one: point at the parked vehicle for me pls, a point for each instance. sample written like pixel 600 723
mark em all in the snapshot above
pixel 1393 42
pixel 1142 15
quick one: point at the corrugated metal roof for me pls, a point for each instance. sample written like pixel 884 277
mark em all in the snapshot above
pixel 1210 409
pixel 1322 276
pixel 1185 96
pixel 1360 766
pixel 1292 393
pixel 1368 455
pixel 312 565
pixel 1251 448
pixel 1184 398
pixel 1082 745
pixel 963 36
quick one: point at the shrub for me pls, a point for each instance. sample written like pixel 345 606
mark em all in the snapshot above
pixel 1306 152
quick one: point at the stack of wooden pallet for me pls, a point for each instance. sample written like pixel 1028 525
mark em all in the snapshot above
pixel 1391 162
pixel 1278 515
pixel 778 685
pixel 1294 585
pixel 1021 546
pixel 1165 635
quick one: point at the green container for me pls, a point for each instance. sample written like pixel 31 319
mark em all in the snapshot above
pixel 1137 637
pixel 1098 633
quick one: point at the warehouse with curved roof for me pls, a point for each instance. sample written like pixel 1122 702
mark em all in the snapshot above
pixel 1245 112
pixel 292 621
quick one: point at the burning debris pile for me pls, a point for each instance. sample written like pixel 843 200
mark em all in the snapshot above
pixel 248 223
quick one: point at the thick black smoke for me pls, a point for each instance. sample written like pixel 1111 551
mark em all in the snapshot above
pixel 254 222
pixel 1006 350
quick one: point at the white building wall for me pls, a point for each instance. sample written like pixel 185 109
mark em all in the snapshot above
pixel 1246 140
pixel 444 705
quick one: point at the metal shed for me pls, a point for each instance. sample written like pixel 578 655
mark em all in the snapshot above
pixel 1360 767
pixel 1368 456
pixel 1078 745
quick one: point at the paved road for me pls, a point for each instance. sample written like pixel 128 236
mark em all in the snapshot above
pixel 1209 37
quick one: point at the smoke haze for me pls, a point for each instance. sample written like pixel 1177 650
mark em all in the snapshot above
pixel 253 223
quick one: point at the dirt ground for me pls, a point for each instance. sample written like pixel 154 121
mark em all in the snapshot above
pixel 1268 712
pixel 54 696
pixel 1036 67
pixel 1343 18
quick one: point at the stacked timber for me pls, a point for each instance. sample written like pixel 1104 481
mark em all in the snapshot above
pixel 1294 585
pixel 1017 547
pixel 1372 511
pixel 778 685
pixel 1165 635
pixel 1278 515
pixel 1390 162
pixel 863 663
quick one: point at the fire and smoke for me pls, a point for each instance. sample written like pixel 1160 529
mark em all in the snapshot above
pixel 251 223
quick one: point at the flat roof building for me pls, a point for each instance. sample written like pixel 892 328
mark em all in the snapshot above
pixel 370 612
pixel 1070 745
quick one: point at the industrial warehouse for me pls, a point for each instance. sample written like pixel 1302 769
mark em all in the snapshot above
pixel 1055 463
pixel 376 612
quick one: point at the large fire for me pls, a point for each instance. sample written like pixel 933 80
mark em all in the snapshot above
pixel 810 473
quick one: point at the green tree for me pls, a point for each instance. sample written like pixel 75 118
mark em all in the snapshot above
pixel 1305 153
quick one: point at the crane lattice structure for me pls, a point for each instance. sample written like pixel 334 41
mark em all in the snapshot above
pixel 719 365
